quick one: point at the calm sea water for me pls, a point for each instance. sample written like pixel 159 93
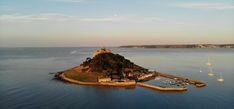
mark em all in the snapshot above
pixel 26 81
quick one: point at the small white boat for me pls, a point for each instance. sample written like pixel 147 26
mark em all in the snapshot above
pixel 221 78
pixel 73 52
pixel 211 74
pixel 208 62
pixel 200 71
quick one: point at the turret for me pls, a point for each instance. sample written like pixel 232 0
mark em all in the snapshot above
pixel 101 51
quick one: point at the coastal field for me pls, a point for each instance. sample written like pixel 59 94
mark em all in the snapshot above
pixel 82 76
pixel 26 79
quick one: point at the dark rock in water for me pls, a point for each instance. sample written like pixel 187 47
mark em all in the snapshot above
pixel 57 75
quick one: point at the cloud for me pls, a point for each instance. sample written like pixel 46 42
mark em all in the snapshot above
pixel 36 17
pixel 104 19
pixel 100 19
pixel 52 17
pixel 121 18
pixel 217 6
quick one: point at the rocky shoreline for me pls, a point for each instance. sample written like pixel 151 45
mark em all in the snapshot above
pixel 61 76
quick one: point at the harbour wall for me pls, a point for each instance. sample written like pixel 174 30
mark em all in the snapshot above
pixel 161 88
pixel 183 79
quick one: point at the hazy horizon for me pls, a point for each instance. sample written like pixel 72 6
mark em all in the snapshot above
pixel 89 23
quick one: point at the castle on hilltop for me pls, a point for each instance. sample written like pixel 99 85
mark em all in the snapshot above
pixel 101 51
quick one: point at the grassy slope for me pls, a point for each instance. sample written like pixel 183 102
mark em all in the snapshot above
pixel 82 76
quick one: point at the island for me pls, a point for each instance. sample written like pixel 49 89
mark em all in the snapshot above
pixel 181 46
pixel 108 69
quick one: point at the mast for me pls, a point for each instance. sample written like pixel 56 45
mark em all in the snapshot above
pixel 208 62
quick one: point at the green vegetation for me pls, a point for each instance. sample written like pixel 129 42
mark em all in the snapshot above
pixel 105 65
pixel 113 65
pixel 81 76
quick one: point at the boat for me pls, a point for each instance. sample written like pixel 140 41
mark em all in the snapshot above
pixel 73 52
pixel 210 73
pixel 208 62
pixel 220 79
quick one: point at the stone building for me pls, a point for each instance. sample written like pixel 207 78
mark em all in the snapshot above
pixel 101 51
pixel 107 79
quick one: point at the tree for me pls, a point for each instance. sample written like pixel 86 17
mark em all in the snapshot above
pixel 119 70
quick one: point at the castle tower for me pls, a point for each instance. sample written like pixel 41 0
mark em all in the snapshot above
pixel 101 51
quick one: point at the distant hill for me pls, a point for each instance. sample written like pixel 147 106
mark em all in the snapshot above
pixel 181 46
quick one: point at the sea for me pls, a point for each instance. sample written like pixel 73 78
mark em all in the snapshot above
pixel 27 79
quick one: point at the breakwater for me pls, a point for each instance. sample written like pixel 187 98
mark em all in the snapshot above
pixel 161 88
pixel 183 79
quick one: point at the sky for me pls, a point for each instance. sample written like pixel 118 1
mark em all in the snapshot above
pixel 81 23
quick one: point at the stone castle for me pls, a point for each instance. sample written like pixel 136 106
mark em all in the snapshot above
pixel 101 51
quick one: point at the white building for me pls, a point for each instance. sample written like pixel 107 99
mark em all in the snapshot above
pixel 104 79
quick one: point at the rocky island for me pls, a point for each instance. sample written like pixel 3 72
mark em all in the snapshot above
pixel 108 69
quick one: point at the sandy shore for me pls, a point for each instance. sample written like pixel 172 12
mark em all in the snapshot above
pixel 120 84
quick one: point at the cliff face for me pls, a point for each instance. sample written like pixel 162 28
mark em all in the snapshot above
pixel 113 65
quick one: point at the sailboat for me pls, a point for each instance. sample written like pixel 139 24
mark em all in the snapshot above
pixel 220 79
pixel 208 62
pixel 210 73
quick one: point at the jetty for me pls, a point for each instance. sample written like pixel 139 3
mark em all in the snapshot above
pixel 161 88
pixel 183 79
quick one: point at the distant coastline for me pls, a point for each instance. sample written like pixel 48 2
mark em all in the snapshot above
pixel 181 46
